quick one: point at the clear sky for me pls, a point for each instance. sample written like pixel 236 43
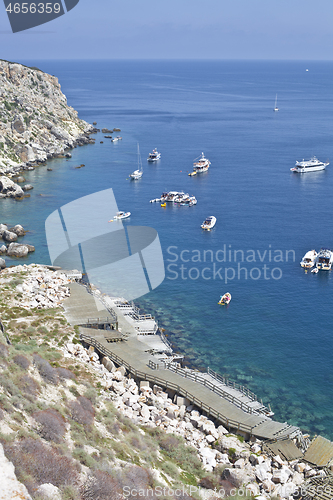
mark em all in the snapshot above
pixel 178 29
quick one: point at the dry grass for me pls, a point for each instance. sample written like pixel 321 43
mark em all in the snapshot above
pixel 82 411
pixel 46 371
pixel 52 425
pixel 21 361
pixel 43 464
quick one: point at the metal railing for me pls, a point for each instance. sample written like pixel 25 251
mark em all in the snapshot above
pixel 209 410
pixel 234 385
pixel 197 377
pixel 105 304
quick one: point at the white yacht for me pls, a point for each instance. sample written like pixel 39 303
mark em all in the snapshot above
pixel 172 196
pixel 312 165
pixel 201 164
pixel 137 174
pixel 122 215
pixel 309 259
pixel 209 223
pixel 154 156
pixel 324 259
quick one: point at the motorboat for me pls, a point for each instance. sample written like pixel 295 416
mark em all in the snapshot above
pixel 172 196
pixel 324 259
pixel 178 197
pixel 312 165
pixel 209 223
pixel 115 139
pixel 137 174
pixel 154 156
pixel 309 259
pixel 225 299
pixel 122 215
pixel 201 164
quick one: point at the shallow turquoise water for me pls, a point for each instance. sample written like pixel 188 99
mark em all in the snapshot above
pixel 275 336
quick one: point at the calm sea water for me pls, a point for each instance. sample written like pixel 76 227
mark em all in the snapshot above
pixel 276 335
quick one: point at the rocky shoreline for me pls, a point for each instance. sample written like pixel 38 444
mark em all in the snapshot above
pixel 36 123
pixel 232 465
pixel 245 465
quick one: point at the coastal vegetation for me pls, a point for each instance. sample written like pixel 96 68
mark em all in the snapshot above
pixel 59 426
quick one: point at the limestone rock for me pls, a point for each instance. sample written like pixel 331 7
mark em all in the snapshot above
pixel 11 488
pixel 3 228
pixel 18 124
pixel 49 491
pixel 3 249
pixel 2 263
pixel 18 229
pixel 9 236
pixel 17 250
pixel 30 248
pixel 27 187
pixel 238 477
pixel 9 188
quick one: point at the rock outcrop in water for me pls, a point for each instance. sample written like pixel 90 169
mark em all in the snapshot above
pixel 36 122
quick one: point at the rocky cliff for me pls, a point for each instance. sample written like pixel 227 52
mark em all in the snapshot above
pixel 36 122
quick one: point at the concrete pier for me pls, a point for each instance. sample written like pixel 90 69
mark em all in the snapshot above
pixel 136 355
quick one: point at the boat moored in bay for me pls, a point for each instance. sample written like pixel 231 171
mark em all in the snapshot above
pixel 324 260
pixel 225 299
pixel 309 259
pixel 312 165
pixel 154 156
pixel 209 223
pixel 200 165
pixel 137 174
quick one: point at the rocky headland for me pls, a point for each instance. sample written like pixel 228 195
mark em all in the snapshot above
pixel 36 123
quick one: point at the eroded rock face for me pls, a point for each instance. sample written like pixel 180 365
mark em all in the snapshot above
pixel 8 188
pixel 2 264
pixel 11 488
pixel 36 123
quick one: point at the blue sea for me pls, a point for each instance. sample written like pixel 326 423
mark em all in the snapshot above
pixel 275 336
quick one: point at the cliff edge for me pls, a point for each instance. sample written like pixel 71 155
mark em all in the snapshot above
pixel 36 122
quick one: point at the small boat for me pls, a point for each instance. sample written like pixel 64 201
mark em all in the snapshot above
pixel 137 174
pixel 309 259
pixel 115 139
pixel 200 165
pixel 154 156
pixel 312 165
pixel 275 107
pixel 324 259
pixel 209 223
pixel 225 299
pixel 315 270
pixel 108 136
pixel 163 204
pixel 122 215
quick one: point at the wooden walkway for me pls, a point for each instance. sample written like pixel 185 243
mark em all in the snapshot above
pixel 132 353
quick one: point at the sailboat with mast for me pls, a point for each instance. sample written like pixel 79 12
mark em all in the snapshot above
pixel 275 107
pixel 137 174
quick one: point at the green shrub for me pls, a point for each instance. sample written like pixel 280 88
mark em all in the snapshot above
pixel 83 457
